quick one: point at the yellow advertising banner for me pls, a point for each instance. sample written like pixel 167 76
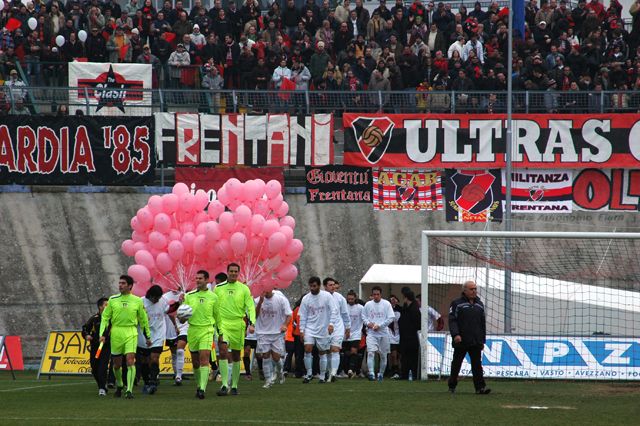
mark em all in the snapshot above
pixel 66 352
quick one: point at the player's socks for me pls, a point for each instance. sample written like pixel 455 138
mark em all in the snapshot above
pixel 179 362
pixel 335 362
pixel 383 363
pixel 224 371
pixel 308 363
pixel 278 366
pixel 323 366
pixel 235 375
pixel 118 373
pixel 259 360
pixel 145 372
pixel 247 364
pixel 131 377
pixel 154 372
pixel 174 358
pixel 204 377
pixel 371 362
pixel 266 368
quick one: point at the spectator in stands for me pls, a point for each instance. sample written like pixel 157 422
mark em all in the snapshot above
pixel 146 57
pixel 19 108
pixel 213 82
pixel 178 60
pixel 15 86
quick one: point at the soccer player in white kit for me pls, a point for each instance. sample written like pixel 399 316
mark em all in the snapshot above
pixel 318 314
pixel 351 345
pixel 273 314
pixel 377 315
pixel 341 330
pixel 156 307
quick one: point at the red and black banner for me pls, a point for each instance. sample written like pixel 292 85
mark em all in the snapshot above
pixel 338 184
pixel 473 195
pixel 468 141
pixel 607 190
pixel 211 178
pixel 76 150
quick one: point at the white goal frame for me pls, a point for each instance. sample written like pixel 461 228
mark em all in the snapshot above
pixel 503 235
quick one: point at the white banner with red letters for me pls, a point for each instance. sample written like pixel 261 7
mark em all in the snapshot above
pixel 110 89
pixel 540 191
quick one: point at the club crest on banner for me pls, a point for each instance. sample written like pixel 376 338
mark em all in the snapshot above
pixel 373 135
pixel 473 196
pixel 536 193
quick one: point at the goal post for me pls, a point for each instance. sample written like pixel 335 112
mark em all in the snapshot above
pixel 559 305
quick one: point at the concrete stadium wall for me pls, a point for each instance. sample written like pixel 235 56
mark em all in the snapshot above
pixel 61 251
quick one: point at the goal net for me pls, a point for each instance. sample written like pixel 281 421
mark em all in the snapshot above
pixel 558 305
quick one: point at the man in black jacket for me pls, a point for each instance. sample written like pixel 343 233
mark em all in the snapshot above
pixel 409 325
pixel 468 327
pixel 91 333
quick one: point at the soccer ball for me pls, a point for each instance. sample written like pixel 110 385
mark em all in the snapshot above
pixel 372 136
pixel 184 312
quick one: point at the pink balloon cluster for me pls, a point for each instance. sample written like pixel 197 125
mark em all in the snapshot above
pixel 177 234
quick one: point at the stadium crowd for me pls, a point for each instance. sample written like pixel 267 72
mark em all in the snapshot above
pixel 319 45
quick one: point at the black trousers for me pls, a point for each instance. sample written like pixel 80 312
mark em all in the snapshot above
pixel 100 366
pixel 299 354
pixel 409 351
pixel 475 354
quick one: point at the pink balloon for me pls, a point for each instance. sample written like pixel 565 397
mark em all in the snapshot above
pixel 139 273
pixel 140 288
pixel 164 263
pixel 277 241
pixel 232 186
pixel 273 188
pixel 288 232
pixel 157 240
pixel 294 247
pixel 144 258
pixel 187 241
pixel 212 231
pixel 269 227
pixel 223 249
pixel 275 202
pixel 137 246
pixel 288 273
pixel 162 223
pixel 242 215
pixel 261 208
pixel 170 203
pixel 256 290
pixel 250 191
pixel 201 199
pixel 145 218
pixel 215 209
pixel 227 222
pixel 257 222
pixel 139 237
pixel 186 202
pixel 283 209
pixel 175 250
pixel 180 188
pixel 223 196
pixel 288 221
pixel 272 263
pixel 200 244
pixel 174 235
pixel 135 224
pixel 238 242
pixel 200 217
pixel 155 204
pixel 255 245
pixel 186 227
pixel 201 228
pixel 128 247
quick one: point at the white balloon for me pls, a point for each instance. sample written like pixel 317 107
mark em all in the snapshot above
pixel 82 35
pixel 1 5
pixel 33 23
pixel 60 41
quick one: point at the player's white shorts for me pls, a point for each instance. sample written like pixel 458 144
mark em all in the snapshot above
pixel 323 343
pixel 378 344
pixel 270 342
pixel 336 339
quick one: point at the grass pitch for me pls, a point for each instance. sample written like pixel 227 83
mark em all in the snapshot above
pixel 74 400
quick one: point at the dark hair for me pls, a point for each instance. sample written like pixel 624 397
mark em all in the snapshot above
pixel 376 287
pixel 233 264
pixel 394 296
pixel 314 280
pixel 203 272
pixel 411 296
pixel 127 278
pixel 221 277
pixel 101 301
pixel 155 291
pixel 405 290
pixel 352 293
pixel 326 281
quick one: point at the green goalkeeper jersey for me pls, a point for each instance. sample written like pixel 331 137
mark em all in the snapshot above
pixel 204 305
pixel 235 302
pixel 125 311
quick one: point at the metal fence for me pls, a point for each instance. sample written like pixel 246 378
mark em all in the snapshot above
pixel 46 100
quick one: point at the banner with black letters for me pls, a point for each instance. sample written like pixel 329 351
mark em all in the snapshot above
pixel 478 141
pixel 76 150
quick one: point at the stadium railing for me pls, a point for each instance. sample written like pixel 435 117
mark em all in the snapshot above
pixel 47 99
